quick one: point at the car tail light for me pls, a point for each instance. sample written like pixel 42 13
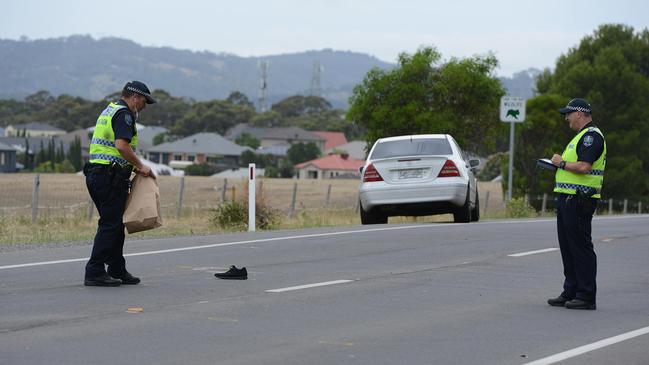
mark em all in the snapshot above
pixel 371 174
pixel 449 169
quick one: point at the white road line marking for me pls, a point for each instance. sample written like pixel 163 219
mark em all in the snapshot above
pixel 286 238
pixel 520 254
pixel 43 263
pixel 5 267
pixel 590 347
pixel 290 288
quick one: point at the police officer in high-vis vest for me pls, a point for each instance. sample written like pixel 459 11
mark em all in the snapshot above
pixel 112 159
pixel 578 181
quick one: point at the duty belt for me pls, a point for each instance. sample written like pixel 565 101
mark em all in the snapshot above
pixel 96 169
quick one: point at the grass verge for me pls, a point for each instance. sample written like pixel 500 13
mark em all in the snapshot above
pixel 76 227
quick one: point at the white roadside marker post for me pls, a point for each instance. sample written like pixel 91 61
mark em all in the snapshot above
pixel 251 197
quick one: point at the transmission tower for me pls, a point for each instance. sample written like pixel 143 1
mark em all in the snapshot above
pixel 316 88
pixel 263 86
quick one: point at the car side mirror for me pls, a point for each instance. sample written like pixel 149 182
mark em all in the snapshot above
pixel 474 163
pixel 360 170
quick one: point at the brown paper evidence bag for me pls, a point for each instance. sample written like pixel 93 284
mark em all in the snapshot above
pixel 143 205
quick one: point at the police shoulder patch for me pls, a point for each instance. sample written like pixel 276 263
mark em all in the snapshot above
pixel 128 119
pixel 588 140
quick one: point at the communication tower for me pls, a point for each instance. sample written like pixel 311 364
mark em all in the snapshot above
pixel 316 88
pixel 263 86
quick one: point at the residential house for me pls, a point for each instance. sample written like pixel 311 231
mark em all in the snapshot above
pixel 7 158
pixel 196 149
pixel 277 135
pixel 355 149
pixel 330 167
pixel 332 139
pixel 33 129
pixel 277 150
pixel 146 134
pixel 34 145
pixel 20 144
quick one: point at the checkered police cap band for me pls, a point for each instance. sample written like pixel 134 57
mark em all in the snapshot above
pixel 578 109
pixel 131 88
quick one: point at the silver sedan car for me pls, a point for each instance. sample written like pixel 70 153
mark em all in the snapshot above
pixel 418 175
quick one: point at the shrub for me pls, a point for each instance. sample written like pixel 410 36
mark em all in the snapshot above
pixel 203 169
pixel 520 208
pixel 233 215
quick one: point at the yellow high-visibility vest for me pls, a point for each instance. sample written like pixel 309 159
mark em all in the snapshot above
pixel 102 145
pixel 567 182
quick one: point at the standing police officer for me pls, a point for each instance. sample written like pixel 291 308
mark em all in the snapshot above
pixel 112 159
pixel 578 181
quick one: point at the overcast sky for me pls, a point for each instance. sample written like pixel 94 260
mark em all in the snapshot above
pixel 521 33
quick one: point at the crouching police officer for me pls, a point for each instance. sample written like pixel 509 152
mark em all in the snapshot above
pixel 112 159
pixel 579 180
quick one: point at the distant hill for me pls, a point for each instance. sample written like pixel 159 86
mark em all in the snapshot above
pixel 94 68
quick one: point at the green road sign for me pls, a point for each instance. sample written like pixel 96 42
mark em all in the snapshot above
pixel 512 109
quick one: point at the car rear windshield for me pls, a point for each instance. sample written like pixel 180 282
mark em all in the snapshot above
pixel 414 147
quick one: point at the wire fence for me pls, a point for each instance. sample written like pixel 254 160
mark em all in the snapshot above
pixel 55 195
pixel 34 196
pixel 47 195
pixel 546 204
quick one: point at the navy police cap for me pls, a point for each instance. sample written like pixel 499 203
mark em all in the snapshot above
pixel 576 105
pixel 139 88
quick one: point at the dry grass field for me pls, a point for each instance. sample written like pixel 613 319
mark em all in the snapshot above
pixel 59 191
pixel 63 213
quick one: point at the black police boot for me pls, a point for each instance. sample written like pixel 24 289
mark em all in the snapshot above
pixel 103 280
pixel 559 301
pixel 580 304
pixel 127 278
pixel 233 274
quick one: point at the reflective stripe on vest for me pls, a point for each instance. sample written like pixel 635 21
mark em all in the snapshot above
pixel 102 142
pixel 108 158
pixel 102 145
pixel 567 182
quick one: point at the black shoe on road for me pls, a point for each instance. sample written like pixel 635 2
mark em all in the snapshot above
pixel 127 278
pixel 103 280
pixel 559 301
pixel 233 274
pixel 580 304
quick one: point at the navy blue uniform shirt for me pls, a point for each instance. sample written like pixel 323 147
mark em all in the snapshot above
pixel 590 145
pixel 124 123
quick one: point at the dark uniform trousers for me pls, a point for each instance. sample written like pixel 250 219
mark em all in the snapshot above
pixel 109 241
pixel 574 218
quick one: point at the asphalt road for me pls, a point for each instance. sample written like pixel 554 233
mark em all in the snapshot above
pixel 386 294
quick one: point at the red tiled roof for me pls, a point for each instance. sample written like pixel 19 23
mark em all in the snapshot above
pixel 333 162
pixel 333 139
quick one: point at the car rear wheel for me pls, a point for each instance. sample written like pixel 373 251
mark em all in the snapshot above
pixel 475 213
pixel 373 217
pixel 463 213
